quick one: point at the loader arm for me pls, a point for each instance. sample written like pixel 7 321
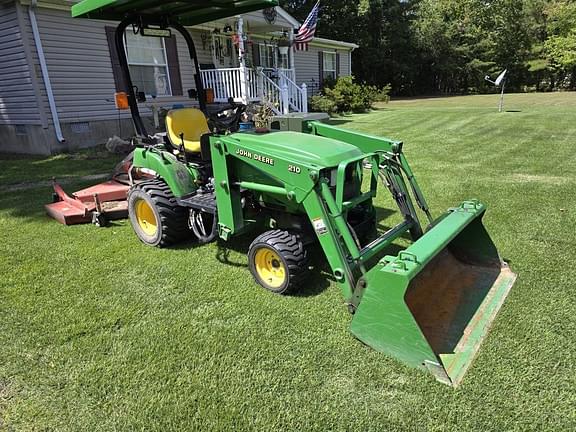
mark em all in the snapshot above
pixel 312 188
pixel 369 143
pixel 440 295
pixel 429 306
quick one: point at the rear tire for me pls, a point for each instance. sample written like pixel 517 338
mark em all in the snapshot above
pixel 155 215
pixel 277 260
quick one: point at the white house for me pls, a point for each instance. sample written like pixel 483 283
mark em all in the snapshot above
pixel 58 75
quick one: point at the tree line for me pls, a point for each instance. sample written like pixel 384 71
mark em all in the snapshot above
pixel 449 46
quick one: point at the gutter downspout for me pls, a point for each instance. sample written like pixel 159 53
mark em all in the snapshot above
pixel 44 69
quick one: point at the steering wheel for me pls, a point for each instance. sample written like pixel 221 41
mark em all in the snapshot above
pixel 227 119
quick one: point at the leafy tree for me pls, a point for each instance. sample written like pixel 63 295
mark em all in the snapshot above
pixel 338 18
pixel 560 46
pixel 448 46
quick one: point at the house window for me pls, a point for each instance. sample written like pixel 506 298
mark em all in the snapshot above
pixel 267 56
pixel 329 65
pixel 148 64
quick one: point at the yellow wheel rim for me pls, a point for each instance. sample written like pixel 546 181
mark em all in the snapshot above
pixel 145 217
pixel 270 268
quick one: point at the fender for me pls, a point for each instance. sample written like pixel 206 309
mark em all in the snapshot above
pixel 180 178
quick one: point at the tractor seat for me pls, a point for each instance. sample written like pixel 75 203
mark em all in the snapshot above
pixel 189 121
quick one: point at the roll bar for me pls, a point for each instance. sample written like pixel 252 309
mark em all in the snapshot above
pixel 141 21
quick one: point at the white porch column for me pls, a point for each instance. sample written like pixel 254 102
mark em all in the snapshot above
pixel 304 98
pixel 242 61
pixel 291 51
pixel 285 99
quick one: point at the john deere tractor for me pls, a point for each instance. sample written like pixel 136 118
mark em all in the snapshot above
pixel 306 184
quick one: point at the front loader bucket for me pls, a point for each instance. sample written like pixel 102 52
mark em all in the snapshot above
pixel 431 306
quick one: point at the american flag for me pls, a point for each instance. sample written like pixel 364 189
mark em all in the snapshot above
pixel 308 29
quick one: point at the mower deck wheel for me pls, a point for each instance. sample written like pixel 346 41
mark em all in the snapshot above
pixel 155 216
pixel 277 260
pixel 99 220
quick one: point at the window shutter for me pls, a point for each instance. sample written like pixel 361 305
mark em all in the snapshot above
pixel 116 69
pixel 173 65
pixel 321 68
pixel 256 54
pixel 337 65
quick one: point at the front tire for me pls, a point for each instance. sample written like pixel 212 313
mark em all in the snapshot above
pixel 156 217
pixel 277 260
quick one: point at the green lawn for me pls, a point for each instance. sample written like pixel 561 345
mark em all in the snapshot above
pixel 99 333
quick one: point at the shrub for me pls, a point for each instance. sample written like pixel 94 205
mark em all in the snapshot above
pixel 383 94
pixel 329 82
pixel 322 103
pixel 345 95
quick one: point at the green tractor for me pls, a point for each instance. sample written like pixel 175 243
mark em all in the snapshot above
pixel 304 184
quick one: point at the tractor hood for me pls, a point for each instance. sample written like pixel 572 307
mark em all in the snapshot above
pixel 300 148
pixel 186 12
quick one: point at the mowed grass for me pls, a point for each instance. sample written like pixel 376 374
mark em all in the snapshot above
pixel 99 333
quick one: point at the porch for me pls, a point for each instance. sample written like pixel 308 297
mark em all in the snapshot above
pixel 248 58
pixel 275 87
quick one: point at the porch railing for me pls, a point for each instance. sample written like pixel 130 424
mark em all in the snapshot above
pixel 272 94
pixel 228 82
pixel 297 96
pixel 277 87
pixel 274 73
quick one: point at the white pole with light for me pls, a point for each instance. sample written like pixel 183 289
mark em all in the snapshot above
pixel 242 61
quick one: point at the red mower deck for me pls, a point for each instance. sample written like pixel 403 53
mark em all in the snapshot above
pixel 95 204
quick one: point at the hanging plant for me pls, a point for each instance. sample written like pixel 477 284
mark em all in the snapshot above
pixel 284 44
pixel 283 40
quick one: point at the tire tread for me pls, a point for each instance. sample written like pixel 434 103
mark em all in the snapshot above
pixel 173 218
pixel 291 248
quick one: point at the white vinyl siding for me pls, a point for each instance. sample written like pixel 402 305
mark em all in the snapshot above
pixel 80 68
pixel 18 103
pixel 307 68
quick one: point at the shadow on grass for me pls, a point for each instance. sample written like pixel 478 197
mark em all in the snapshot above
pixel 319 276
pixel 26 180
pixel 380 106
pixel 15 169
pixel 338 121
pixel 28 204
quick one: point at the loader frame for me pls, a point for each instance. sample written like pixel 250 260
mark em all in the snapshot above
pixel 326 209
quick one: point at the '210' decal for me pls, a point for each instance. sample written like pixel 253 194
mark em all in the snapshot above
pixel 294 169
